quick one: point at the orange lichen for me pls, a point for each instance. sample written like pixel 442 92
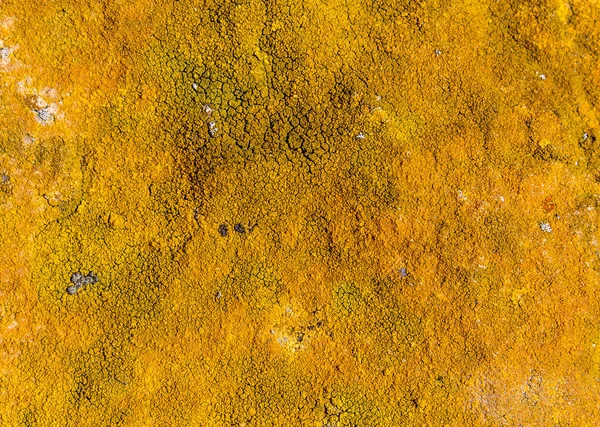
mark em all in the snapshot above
pixel 299 213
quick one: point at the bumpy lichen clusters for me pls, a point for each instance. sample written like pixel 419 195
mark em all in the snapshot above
pixel 289 213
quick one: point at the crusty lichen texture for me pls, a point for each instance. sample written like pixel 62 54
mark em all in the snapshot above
pixel 299 213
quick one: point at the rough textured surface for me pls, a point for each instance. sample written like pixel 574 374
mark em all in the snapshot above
pixel 329 213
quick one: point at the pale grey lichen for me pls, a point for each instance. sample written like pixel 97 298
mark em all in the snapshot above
pixel 545 226
pixel 45 115
pixel 212 129
pixel 79 281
